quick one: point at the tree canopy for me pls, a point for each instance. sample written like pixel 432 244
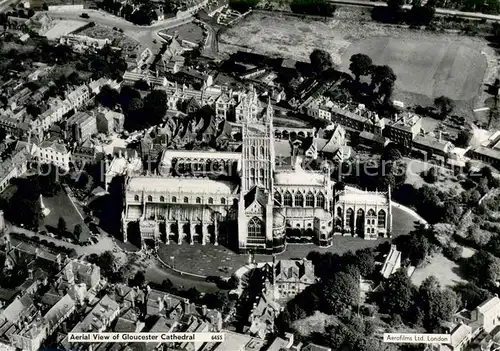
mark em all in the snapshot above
pixel 321 60
pixel 360 65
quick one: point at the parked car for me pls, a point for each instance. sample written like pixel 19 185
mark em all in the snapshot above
pixel 84 15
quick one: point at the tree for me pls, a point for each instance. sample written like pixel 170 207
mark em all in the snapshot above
pixel 33 110
pixel 142 85
pixel 482 268
pixel 321 60
pixel 75 79
pixel 155 105
pixel 432 175
pixel 139 279
pixel 398 295
pixel 437 304
pixel 167 285
pixel 452 211
pixel 463 138
pixel 470 295
pixel 340 293
pixel 478 236
pixel 105 261
pixel 383 78
pixel 45 7
pixel 396 5
pixel 77 231
pixel 365 261
pixel 445 105
pixel 360 65
pixel 61 225
pixel 108 96
pixel 218 301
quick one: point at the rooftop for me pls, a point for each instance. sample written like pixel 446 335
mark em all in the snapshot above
pixel 184 185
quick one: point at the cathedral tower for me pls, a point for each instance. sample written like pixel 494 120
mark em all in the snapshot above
pixel 255 210
pixel 258 151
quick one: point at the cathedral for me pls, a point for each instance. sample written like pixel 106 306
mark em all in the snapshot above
pixel 252 202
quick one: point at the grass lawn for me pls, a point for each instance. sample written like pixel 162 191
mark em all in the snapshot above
pixel 446 179
pixel 189 31
pixel 61 206
pixel 218 260
pixel 445 270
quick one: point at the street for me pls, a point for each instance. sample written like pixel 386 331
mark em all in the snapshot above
pixel 146 35
pixel 439 11
pixel 154 273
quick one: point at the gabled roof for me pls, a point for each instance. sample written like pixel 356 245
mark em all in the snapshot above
pixel 256 194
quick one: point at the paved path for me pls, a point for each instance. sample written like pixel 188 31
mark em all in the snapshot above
pixel 154 273
pixel 439 11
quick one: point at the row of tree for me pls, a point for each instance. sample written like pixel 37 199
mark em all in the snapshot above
pixel 383 77
pixel 418 15
pixel 139 112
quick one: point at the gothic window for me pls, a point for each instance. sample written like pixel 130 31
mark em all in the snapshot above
pixel 186 200
pixel 235 202
pixel 136 198
pixel 252 151
pixel 261 176
pixel 277 198
pixel 210 200
pixel 262 151
pixel 223 201
pixel 299 200
pixel 320 200
pixel 150 198
pixel 162 199
pixel 381 218
pixel 198 200
pixel 255 228
pixel 310 199
pixel 174 199
pixel 339 212
pixel 371 213
pixel 252 175
pixel 349 217
pixel 288 199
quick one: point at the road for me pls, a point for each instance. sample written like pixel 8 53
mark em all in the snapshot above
pixel 5 4
pixel 154 273
pixel 147 35
pixel 439 11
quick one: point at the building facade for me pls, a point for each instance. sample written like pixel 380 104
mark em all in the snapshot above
pixel 259 200
pixel 49 152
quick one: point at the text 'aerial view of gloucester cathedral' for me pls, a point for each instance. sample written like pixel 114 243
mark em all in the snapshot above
pixel 253 197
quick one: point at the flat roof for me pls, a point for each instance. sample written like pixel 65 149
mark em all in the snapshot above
pixel 179 184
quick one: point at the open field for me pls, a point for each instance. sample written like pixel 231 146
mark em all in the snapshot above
pixel 62 28
pixel 442 268
pixel 189 32
pixel 429 68
pixel 428 64
pixel 446 180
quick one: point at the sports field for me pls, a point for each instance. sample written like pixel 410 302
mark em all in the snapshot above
pixel 431 68
pixel 427 64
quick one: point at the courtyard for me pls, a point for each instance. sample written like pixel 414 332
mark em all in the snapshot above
pixel 220 261
pixel 60 206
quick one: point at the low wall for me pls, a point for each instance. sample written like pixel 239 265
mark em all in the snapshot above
pixel 65 8
pixel 199 276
